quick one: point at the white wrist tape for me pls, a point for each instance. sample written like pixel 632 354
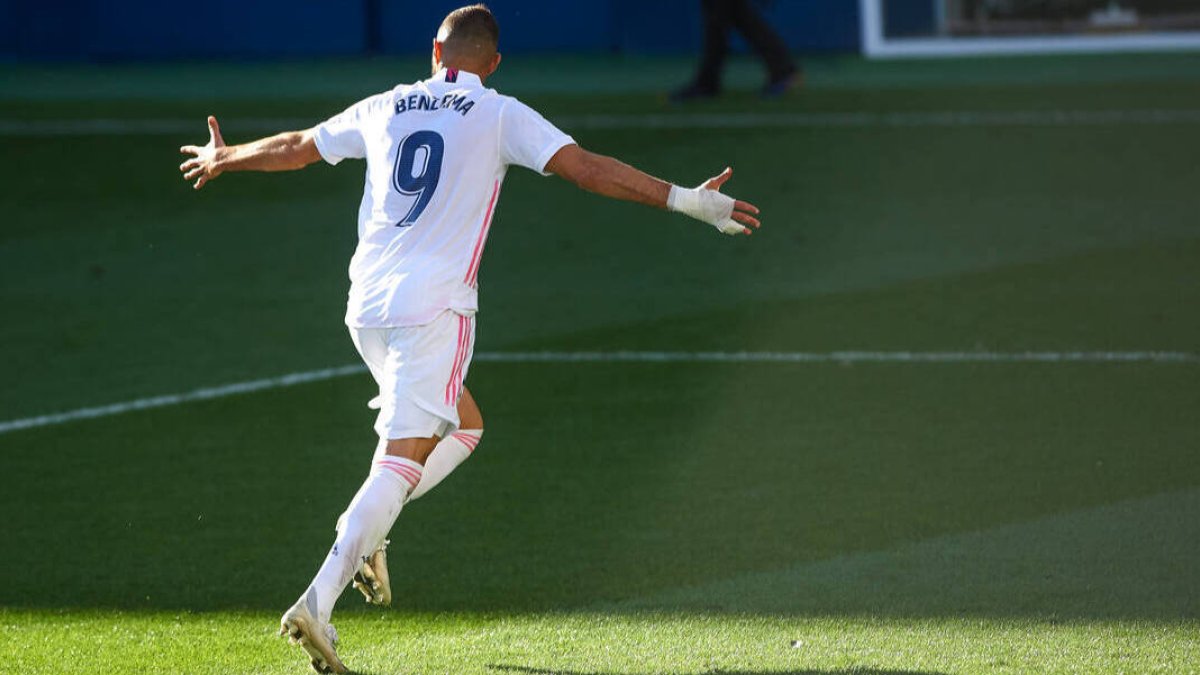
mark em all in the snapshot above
pixel 708 206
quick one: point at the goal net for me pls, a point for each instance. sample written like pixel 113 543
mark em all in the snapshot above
pixel 897 28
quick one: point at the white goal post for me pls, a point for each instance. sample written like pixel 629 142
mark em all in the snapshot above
pixel 1114 27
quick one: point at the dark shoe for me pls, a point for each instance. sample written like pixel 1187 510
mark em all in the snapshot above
pixel 778 86
pixel 693 92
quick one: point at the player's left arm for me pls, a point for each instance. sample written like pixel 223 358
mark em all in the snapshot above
pixel 613 178
pixel 287 151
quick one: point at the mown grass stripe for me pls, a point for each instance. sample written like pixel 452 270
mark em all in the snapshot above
pixel 849 357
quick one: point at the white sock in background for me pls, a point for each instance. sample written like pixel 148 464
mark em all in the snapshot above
pixel 364 524
pixel 449 453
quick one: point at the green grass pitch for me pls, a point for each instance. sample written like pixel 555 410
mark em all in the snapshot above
pixel 632 518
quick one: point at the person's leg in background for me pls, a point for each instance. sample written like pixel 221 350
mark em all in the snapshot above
pixel 707 83
pixel 782 72
pixel 719 17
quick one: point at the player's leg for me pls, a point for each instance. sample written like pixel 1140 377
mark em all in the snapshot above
pixel 373 579
pixel 307 622
pixel 411 434
pixel 455 448
pixel 371 514
pixel 366 521
pixel 420 383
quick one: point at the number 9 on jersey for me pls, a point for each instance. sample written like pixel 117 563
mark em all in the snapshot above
pixel 420 151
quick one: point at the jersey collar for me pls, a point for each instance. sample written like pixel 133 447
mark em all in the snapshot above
pixel 456 76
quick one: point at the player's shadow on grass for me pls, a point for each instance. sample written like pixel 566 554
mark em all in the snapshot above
pixel 855 671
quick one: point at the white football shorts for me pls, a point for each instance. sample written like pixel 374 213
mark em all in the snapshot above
pixel 420 371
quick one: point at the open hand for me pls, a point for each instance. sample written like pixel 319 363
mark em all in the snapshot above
pixel 740 216
pixel 203 165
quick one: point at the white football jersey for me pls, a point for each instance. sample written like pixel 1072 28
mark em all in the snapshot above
pixel 436 153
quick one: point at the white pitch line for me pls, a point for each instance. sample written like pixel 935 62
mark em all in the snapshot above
pixel 843 357
pixel 203 394
pixel 743 120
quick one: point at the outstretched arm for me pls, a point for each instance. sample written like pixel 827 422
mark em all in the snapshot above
pixel 281 152
pixel 612 178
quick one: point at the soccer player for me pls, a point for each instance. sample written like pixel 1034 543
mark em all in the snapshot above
pixel 436 152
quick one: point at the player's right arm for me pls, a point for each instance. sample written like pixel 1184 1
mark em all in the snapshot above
pixel 282 152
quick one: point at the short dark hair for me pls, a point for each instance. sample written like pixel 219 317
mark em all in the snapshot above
pixel 471 31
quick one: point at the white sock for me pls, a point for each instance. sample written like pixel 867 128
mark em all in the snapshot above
pixel 445 458
pixel 449 453
pixel 364 524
